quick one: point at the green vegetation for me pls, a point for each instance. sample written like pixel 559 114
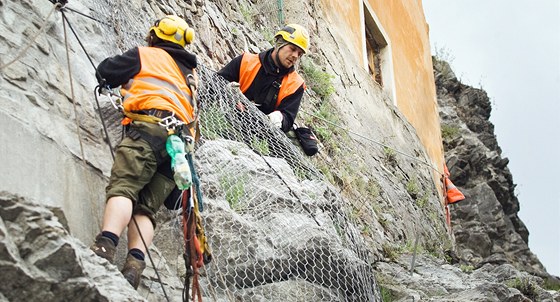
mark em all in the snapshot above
pixel 466 268
pixel 551 284
pixel 366 230
pixel 234 189
pixel 390 156
pixel 525 286
pixel 318 80
pixel 390 252
pixel 247 13
pixel 383 222
pixel 260 146
pixel 412 188
pixel 267 35
pixel 386 294
pixel 449 132
pixel 422 201
pixel 326 121
pixel 214 123
pixel 443 53
pixel 369 187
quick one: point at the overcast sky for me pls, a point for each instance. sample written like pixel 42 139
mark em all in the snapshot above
pixel 511 49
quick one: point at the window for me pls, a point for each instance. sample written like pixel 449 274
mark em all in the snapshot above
pixel 377 51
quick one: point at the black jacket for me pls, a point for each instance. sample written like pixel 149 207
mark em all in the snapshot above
pixel 262 83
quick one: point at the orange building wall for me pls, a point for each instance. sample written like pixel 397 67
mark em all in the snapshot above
pixel 405 25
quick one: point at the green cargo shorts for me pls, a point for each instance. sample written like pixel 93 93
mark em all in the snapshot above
pixel 135 173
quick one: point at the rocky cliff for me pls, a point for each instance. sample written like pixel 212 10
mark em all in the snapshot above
pixel 486 226
pixel 344 226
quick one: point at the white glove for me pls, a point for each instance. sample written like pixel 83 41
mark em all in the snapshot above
pixel 276 118
pixel 233 84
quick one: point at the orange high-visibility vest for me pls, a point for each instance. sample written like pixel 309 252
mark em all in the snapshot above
pixel 250 65
pixel 160 84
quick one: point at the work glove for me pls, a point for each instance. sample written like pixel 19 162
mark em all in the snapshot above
pixel 276 118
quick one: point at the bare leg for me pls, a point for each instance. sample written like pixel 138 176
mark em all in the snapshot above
pixel 146 229
pixel 118 212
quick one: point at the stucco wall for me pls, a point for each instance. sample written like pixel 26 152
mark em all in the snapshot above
pixel 404 23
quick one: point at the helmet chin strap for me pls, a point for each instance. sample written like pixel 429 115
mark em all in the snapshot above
pixel 277 57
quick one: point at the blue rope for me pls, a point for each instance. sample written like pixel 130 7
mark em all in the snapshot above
pixel 196 181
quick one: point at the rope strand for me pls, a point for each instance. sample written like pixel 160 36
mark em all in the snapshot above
pixel 32 40
pixel 374 141
pixel 89 17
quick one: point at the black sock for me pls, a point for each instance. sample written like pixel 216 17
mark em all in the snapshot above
pixel 111 236
pixel 136 253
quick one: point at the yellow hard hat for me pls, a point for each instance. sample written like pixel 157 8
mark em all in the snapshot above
pixel 173 29
pixel 295 34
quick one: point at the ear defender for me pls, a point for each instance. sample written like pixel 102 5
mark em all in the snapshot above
pixel 189 35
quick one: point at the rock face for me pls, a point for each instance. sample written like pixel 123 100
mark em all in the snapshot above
pixel 486 225
pixel 437 280
pixel 40 261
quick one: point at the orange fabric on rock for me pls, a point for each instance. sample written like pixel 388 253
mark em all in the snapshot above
pixel 453 194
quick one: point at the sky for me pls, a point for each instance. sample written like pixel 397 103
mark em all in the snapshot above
pixel 511 49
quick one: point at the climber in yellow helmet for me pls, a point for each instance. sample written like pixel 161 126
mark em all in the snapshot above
pixel 269 78
pixel 156 81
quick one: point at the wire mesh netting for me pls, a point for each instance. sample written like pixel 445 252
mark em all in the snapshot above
pixel 273 10
pixel 277 230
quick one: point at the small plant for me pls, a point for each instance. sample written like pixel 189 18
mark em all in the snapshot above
pixel 214 124
pixel 466 268
pixel 390 252
pixel 525 286
pixel 366 230
pixel 235 191
pixel 260 146
pixel 386 294
pixel 389 155
pixel 318 80
pixel 267 35
pixel 246 13
pixel 384 222
pixel 367 187
pixel 422 201
pixel 449 132
pixel 551 284
pixel 339 231
pixel 444 54
pixel 412 188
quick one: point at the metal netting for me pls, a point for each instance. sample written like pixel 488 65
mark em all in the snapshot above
pixel 273 10
pixel 277 230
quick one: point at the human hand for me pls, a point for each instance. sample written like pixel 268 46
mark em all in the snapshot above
pixel 276 118
pixel 240 106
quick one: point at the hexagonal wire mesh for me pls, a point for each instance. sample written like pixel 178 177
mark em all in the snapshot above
pixel 277 229
pixel 273 10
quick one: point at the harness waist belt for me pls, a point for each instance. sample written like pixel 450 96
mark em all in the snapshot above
pixel 157 113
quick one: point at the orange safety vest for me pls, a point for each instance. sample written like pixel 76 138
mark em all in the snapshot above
pixel 250 66
pixel 160 84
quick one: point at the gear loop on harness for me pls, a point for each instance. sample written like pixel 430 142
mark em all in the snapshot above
pixel 171 123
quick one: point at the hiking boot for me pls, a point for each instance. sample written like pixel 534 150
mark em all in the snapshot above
pixel 132 270
pixel 104 248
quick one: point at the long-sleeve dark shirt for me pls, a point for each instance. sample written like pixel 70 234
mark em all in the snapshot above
pixel 258 90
